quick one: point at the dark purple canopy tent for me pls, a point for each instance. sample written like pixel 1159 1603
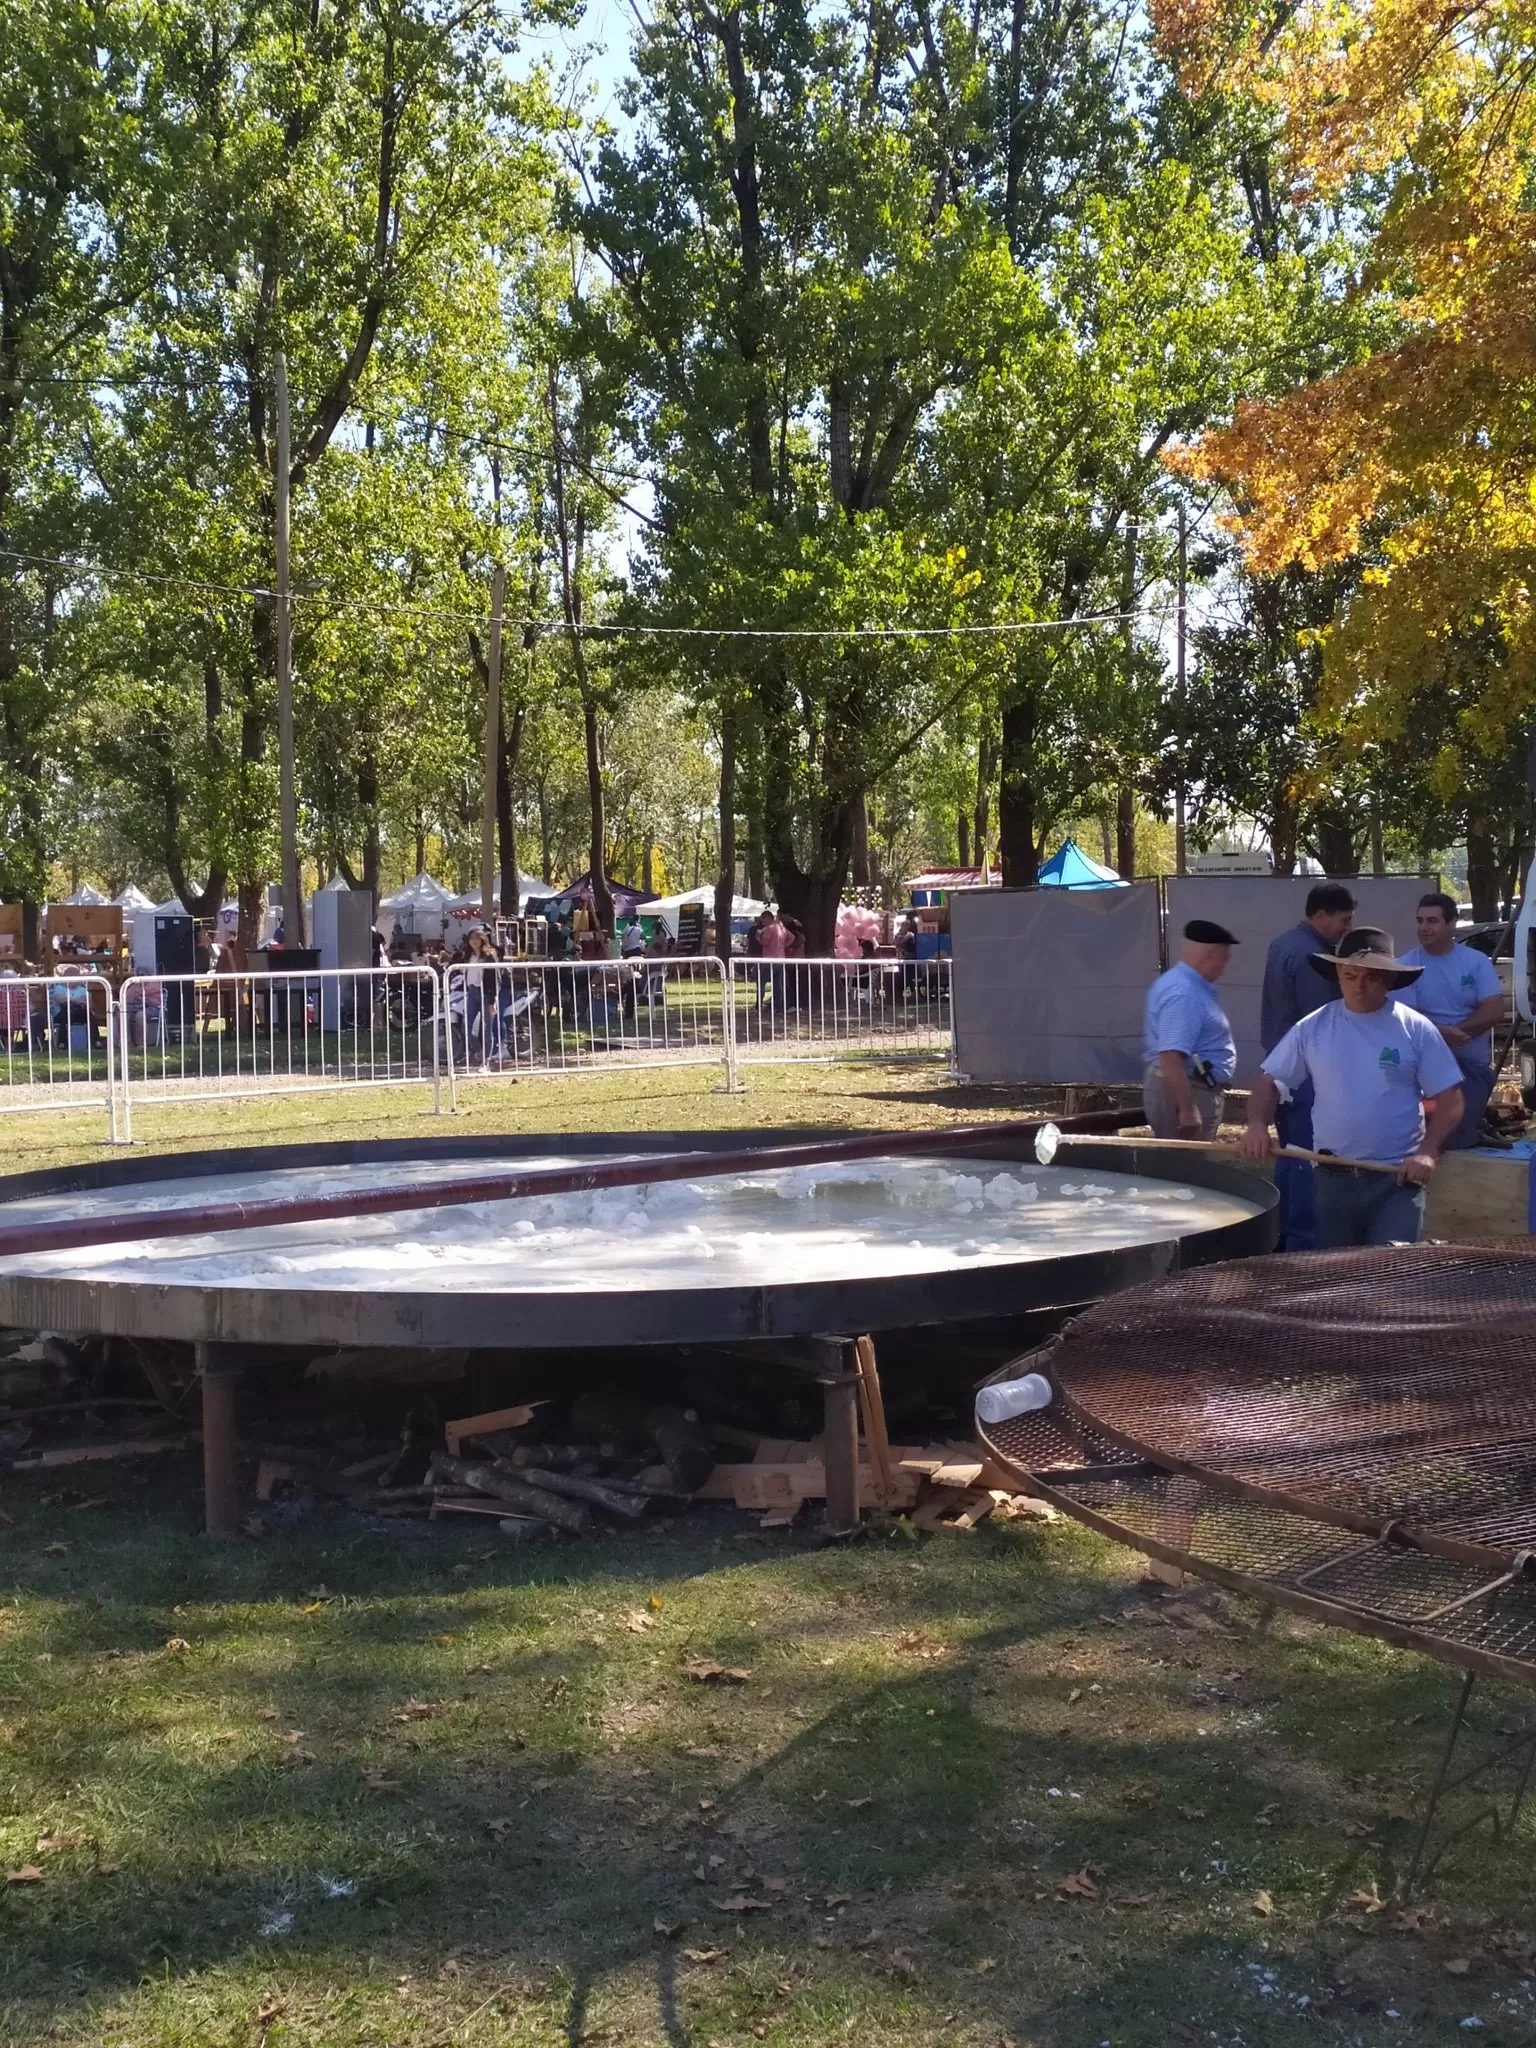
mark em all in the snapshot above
pixel 579 896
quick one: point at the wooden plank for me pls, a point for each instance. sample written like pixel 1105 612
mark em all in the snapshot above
pixel 454 1433
pixel 97 1454
pixel 872 1401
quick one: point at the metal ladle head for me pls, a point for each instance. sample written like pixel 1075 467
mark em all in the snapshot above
pixel 1047 1138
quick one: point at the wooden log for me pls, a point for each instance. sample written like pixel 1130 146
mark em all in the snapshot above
pixel 95 1454
pixel 685 1448
pixel 516 1492
pixel 575 1487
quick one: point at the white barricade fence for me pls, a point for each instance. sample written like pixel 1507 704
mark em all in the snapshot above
pixel 59 1050
pixel 192 1037
pixel 558 1017
pixel 784 1010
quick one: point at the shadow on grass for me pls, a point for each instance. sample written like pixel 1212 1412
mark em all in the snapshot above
pixel 500 1756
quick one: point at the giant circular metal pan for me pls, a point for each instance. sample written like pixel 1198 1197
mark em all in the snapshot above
pixel 608 1308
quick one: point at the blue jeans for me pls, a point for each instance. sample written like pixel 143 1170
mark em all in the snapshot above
pixel 1356 1208
pixel 1476 1087
pixel 1293 1177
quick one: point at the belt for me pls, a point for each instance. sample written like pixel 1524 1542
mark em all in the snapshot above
pixel 1353 1172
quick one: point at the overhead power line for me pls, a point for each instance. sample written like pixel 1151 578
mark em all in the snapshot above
pixel 599 629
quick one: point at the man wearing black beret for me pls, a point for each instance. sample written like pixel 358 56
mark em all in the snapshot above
pixel 1188 1051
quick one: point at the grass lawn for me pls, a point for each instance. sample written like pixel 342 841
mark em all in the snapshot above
pixel 368 1782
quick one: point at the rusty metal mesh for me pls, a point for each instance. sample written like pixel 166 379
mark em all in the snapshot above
pixel 1368 1388
pixel 1349 1433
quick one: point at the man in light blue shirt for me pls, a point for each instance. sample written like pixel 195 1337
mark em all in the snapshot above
pixel 1372 1062
pixel 1188 1050
pixel 1294 986
pixel 1459 991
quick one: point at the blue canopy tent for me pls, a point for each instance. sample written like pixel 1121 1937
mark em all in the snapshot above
pixel 1070 868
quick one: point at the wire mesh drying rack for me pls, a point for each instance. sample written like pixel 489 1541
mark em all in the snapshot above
pixel 1351 1435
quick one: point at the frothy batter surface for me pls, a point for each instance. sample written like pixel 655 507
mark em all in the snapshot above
pixel 862 1219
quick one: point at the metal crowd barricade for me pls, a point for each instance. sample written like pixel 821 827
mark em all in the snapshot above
pixel 784 1010
pixel 583 1016
pixel 197 1037
pixel 58 1047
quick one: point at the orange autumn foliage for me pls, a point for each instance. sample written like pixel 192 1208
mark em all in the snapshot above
pixel 1421 459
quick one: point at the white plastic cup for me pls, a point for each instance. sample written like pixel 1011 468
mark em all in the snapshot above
pixel 1013 1397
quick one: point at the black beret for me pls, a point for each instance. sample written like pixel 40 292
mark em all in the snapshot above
pixel 1204 933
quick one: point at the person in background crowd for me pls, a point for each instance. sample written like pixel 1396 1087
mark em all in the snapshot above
pixel 1294 986
pixel 1372 1063
pixel 1188 1050
pixel 633 942
pixel 1459 991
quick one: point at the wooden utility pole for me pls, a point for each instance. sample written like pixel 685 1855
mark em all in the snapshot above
pixel 288 801
pixel 492 744
pixel 1180 656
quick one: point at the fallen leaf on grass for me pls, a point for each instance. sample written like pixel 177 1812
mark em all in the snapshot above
pixel 1262 1904
pixel 55 1550
pixel 28 1874
pixel 834 1899
pixel 669 1930
pixel 416 1710
pixel 7 1521
pixel 377 1779
pixel 1371 1900
pixel 986 1963
pixel 267 1714
pixel 741 1905
pixel 51 1844
pixel 176 1644
pixel 701 1749
pixel 1079 1886
pixel 704 1672
pixel 774 1884
pixel 865 1801
pixel 1458 1966
pixel 705 1955
pixel 500 1827
pixel 1193 1812
pixel 902 1965
pixel 1074 1695
pixel 637 1624
pixel 655 1605
pixel 1358 1829
pixel 1138 1795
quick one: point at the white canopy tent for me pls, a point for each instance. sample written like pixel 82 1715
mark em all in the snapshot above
pixel 421 906
pixel 666 908
pixel 86 894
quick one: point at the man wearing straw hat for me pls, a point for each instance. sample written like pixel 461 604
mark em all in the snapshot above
pixel 1372 1063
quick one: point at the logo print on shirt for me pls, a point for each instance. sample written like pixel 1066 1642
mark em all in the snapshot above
pixel 1390 1057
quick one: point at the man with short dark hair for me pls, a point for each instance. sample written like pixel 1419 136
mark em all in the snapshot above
pixel 1188 1049
pixel 1460 992
pixel 1294 986
pixel 1373 1062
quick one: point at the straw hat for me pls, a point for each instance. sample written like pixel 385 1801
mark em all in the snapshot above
pixel 1367 946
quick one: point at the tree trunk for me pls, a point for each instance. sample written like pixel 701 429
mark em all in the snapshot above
pixel 1335 838
pixel 986 776
pixel 1482 869
pixel 860 858
pixel 1106 842
pixel 421 848
pixel 1284 831
pixel 368 799
pixel 1016 799
pixel 725 880
pixel 508 746
pixel 648 867
pixel 757 866
pixel 1378 850
pixel 1125 832
pixel 963 837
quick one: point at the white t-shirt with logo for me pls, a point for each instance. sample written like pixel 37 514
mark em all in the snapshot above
pixel 1450 989
pixel 1371 1070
